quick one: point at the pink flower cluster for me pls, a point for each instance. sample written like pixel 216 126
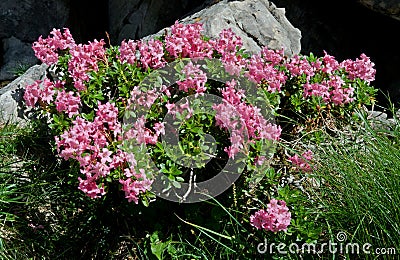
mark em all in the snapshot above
pixel 144 54
pixel 331 88
pixel 133 188
pixel 276 218
pixel 65 101
pixel 195 79
pixel 361 68
pixel 298 66
pixel 142 134
pixel 227 46
pixel 186 41
pixel 262 68
pixel 47 49
pixel 302 163
pixel 68 102
pixel 142 99
pixel 88 142
pixel 34 93
pixel 250 117
pixel 84 58
pixel 42 91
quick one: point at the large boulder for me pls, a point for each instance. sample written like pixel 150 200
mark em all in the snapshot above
pixel 21 23
pixel 258 22
pixel 11 96
pixel 28 19
pixel 387 7
pixel 16 55
pixel 135 19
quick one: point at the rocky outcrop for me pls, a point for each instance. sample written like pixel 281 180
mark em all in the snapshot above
pixel 11 96
pixel 16 55
pixel 21 23
pixel 134 19
pixel 390 8
pixel 258 22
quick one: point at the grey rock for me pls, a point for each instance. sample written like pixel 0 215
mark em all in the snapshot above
pixel 119 11
pixel 28 19
pixel 387 7
pixel 21 23
pixel 17 54
pixel 135 19
pixel 379 120
pixel 258 22
pixel 11 96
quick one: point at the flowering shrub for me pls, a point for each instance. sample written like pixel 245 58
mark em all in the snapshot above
pixel 96 88
pixel 319 87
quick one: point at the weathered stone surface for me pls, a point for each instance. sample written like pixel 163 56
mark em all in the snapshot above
pixel 258 22
pixel 387 7
pixel 16 54
pixel 11 96
pixel 134 19
pixel 21 23
pixel 28 19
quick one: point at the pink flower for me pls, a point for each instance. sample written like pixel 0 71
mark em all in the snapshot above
pixel 298 66
pixel 84 58
pixel 32 93
pixel 360 68
pixel 67 102
pixel 228 42
pixel 186 41
pixel 159 128
pixel 47 49
pixel 232 95
pixel 133 188
pixel 151 54
pixel 128 52
pixel 90 187
pixel 329 63
pixel 259 160
pixel 302 163
pixel 47 91
pixel 261 68
pixel 275 57
pixel 316 89
pixel 276 218
pixel 108 113
pixel 141 133
pixel 195 79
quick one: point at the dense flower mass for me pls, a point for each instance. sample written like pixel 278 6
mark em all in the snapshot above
pixel 97 85
pixel 195 79
pixel 186 41
pixel 84 58
pixel 47 49
pixel 263 68
pixel 361 68
pixel 275 218
pixel 67 102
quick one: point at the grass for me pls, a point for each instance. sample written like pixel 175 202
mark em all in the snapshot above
pixel 43 214
pixel 360 190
